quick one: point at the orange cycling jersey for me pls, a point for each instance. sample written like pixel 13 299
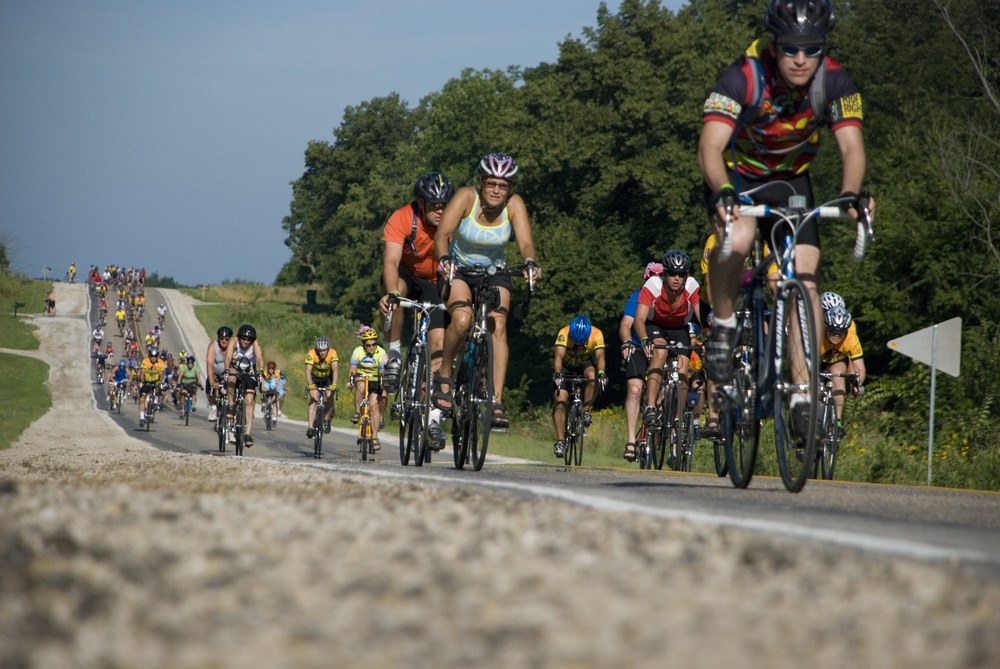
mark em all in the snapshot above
pixel 577 354
pixel 418 246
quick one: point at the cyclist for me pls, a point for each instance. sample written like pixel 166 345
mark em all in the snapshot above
pixel 368 360
pixel 118 378
pixel 579 348
pixel 841 353
pixel 474 230
pixel 97 338
pixel 322 370
pixel 748 142
pixel 152 373
pixel 189 378
pixel 242 358
pixel 215 359
pixel 72 272
pixel 635 361
pixel 161 314
pixel 273 383
pixel 667 304
pixel 409 269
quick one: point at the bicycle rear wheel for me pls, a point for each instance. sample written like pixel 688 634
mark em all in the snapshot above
pixel 796 363
pixel 738 411
pixel 239 425
pixel 685 448
pixel 479 411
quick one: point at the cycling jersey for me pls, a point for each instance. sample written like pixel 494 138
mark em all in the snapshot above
pixel 661 312
pixel 848 348
pixel 189 374
pixel 418 249
pixel 783 137
pixel 369 364
pixel 577 354
pixel 152 371
pixel 474 243
pixel 321 369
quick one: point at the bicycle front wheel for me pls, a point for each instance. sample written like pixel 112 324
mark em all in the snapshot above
pixel 685 448
pixel 738 411
pixel 573 451
pixel 795 356
pixel 240 425
pixel 318 430
pixel 479 402
pixel 645 446
pixel 828 457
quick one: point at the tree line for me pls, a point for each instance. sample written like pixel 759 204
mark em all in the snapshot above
pixel 606 139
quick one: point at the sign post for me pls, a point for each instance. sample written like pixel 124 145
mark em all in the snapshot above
pixel 939 346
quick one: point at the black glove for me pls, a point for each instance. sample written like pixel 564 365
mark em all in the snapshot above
pixel 557 380
pixel 724 197
pixel 602 380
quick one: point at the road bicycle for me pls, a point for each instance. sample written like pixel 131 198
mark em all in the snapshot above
pixel 689 431
pixel 826 455
pixel 412 405
pixel 576 429
pixel 668 429
pixel 267 408
pixel 366 436
pixel 776 356
pixel 237 425
pixel 117 397
pixel 472 376
pixel 319 424
pixel 221 425
pixel 148 413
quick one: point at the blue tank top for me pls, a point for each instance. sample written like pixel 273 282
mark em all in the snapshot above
pixel 473 243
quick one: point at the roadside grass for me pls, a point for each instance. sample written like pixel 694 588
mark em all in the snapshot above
pixel 23 402
pixel 16 332
pixel 287 330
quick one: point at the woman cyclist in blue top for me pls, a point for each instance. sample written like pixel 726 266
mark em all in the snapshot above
pixel 475 229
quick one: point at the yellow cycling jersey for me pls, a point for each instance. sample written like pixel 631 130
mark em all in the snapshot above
pixel 321 369
pixel 849 348
pixel 577 354
pixel 152 372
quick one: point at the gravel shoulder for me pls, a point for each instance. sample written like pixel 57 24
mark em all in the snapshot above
pixel 115 554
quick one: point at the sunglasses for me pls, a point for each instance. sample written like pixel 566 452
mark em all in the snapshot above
pixel 501 186
pixel 792 50
pixel 436 206
pixel 836 333
pixel 670 273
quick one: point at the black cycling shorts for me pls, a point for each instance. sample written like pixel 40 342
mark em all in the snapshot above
pixel 423 290
pixel 776 196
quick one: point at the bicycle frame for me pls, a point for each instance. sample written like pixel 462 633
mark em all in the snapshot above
pixel 826 455
pixel 575 431
pixel 365 432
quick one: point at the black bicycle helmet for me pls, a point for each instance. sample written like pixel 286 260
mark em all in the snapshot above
pixel 676 261
pixel 799 18
pixel 433 187
pixel 247 331
pixel 223 332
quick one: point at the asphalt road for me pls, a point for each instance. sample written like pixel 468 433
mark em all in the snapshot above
pixel 924 523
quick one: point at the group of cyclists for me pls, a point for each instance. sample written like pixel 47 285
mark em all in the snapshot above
pixel 761 124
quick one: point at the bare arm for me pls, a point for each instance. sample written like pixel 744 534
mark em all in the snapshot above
pixel 625 329
pixel 852 156
pixel 715 136
pixel 390 272
pixel 557 359
pixel 459 207
pixel 641 312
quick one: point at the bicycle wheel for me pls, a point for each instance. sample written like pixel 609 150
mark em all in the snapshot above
pixel 365 434
pixel 719 455
pixel 738 410
pixel 573 424
pixel 645 446
pixel 187 410
pixel 422 406
pixel 686 447
pixel 220 428
pixel 239 425
pixel 795 356
pixel 318 430
pixel 479 413
pixel 668 427
pixel 828 457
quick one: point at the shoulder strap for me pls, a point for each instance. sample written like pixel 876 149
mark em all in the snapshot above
pixel 817 93
pixel 411 239
pixel 755 85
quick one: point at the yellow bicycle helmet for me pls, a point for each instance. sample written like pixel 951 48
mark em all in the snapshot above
pixel 366 333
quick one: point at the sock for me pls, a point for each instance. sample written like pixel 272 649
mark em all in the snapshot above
pixel 395 349
pixel 435 415
pixel 726 322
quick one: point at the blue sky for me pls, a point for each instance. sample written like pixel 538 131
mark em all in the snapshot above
pixel 165 134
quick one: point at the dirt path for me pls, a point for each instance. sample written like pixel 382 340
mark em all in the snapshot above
pixel 114 554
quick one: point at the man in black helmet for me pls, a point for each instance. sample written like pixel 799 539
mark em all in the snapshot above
pixel 761 124
pixel 409 269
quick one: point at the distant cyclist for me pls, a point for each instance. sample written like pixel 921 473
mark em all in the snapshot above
pixel 215 361
pixel 579 349
pixel 368 360
pixel 189 378
pixel 273 383
pixel 243 358
pixel 152 372
pixel 322 372
pixel 841 353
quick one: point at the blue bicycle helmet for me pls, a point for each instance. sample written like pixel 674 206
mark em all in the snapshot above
pixel 579 329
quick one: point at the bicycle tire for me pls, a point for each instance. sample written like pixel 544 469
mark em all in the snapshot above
pixel 652 439
pixel 667 417
pixel 239 423
pixel 460 389
pixel 579 433
pixel 318 429
pixel 479 414
pixel 794 308
pixel 643 449
pixel 220 427
pixel 686 447
pixel 365 434
pixel 187 410
pixel 422 450
pixel 569 435
pixel 828 457
pixel 739 415
pixel 719 455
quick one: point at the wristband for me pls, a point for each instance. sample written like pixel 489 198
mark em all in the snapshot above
pixel 395 292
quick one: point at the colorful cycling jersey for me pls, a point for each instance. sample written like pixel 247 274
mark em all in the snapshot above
pixel 848 348
pixel 369 364
pixel 661 312
pixel 152 371
pixel 477 244
pixel 578 354
pixel 321 368
pixel 418 253
pixel 783 137
pixel 121 374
